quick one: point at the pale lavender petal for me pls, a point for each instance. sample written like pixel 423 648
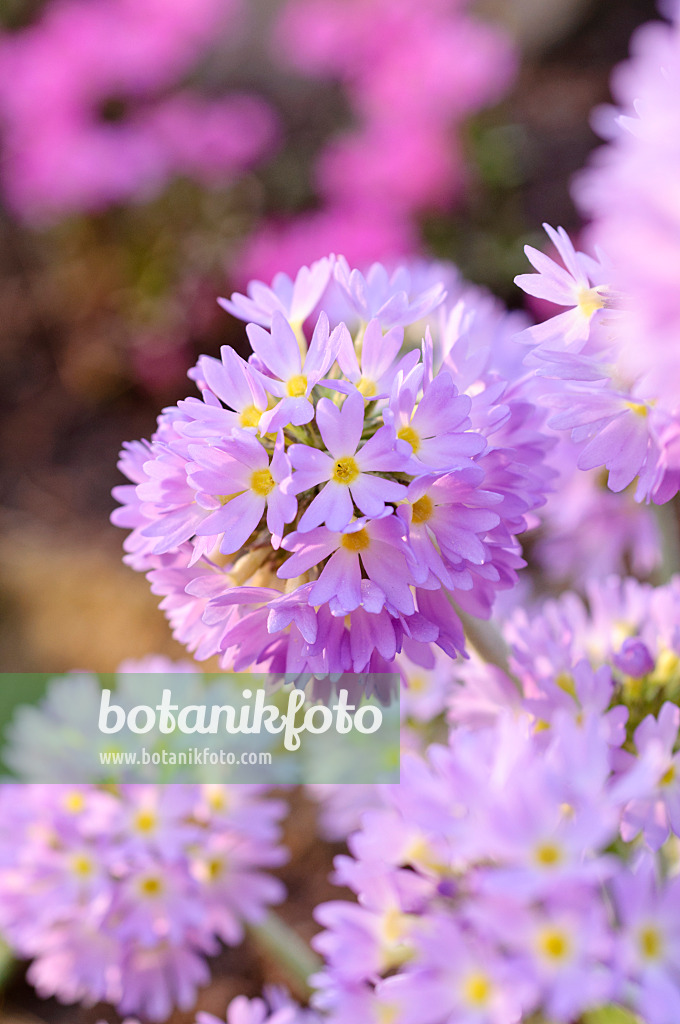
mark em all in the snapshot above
pixel 313 467
pixel 281 509
pixel 371 492
pixel 341 428
pixel 332 505
pixel 378 351
pixel 380 453
pixel 347 358
pixel 441 409
pixel 237 520
pixel 289 410
pixel 341 578
pixel 386 567
pixel 313 548
pixel 278 351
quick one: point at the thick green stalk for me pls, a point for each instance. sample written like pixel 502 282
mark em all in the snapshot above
pixel 280 942
pixel 488 642
pixel 669 528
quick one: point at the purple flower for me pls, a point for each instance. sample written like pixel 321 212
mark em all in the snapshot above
pixel 579 285
pixel 294 299
pixel 658 812
pixel 347 468
pixel 120 897
pixel 435 428
pixel 241 482
pixel 377 546
pixel 279 354
pixel 462 466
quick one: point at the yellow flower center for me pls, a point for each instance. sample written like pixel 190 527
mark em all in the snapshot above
pixel 386 1013
pixel 554 944
pixel 668 776
pixel 358 541
pixel 548 854
pixel 74 802
pixel 216 797
pixel 477 989
pixel 667 666
pixel 422 509
pixel 409 434
pixel 565 681
pixel 297 386
pixel 145 821
pixel 367 387
pixel 150 886
pixel 589 301
pixel 214 868
pixel 417 684
pixel 345 470
pixel 82 865
pixel 262 482
pixel 651 945
pixel 250 416
pixel 639 408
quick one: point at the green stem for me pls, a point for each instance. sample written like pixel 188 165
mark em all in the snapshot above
pixel 7 963
pixel 667 521
pixel 280 942
pixel 489 644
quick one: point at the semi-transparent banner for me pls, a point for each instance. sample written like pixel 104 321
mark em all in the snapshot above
pixel 199 727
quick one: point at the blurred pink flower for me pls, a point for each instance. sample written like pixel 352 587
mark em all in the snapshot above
pixel 84 121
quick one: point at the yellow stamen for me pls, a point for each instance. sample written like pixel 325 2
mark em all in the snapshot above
pixel 214 868
pixel 639 408
pixel 547 854
pixel 250 416
pixel 145 821
pixel 82 865
pixel 651 945
pixel 262 482
pixel 150 886
pixel 668 776
pixel 408 434
pixel 554 944
pixel 367 387
pixel 477 989
pixel 345 470
pixel 423 509
pixel 297 386
pixel 565 681
pixel 74 802
pixel 589 301
pixel 358 541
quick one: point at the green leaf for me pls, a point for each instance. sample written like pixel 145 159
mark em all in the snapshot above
pixel 610 1015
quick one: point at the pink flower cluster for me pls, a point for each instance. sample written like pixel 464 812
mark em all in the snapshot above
pixel 120 895
pixel 323 503
pixel 523 868
pixel 411 72
pixel 93 112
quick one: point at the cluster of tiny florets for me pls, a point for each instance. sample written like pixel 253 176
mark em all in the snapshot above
pixel 323 503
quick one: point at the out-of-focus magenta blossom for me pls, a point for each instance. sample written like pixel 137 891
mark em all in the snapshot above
pixel 121 896
pixel 411 73
pixel 89 116
pixel 614 349
pixel 322 504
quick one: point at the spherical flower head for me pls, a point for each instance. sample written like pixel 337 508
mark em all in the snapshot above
pixel 119 896
pixel 322 504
